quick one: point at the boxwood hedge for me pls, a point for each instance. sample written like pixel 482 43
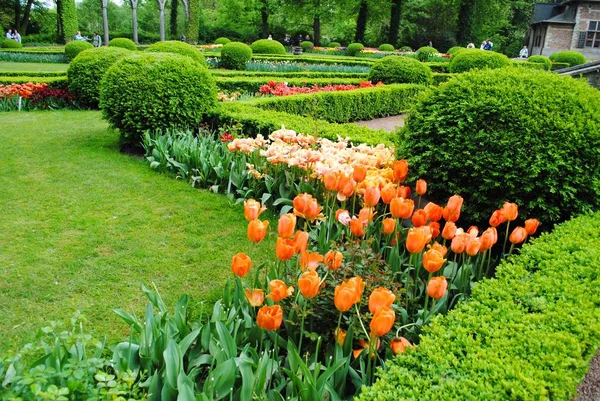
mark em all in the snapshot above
pixel 266 46
pixel 235 55
pixel 253 84
pixel 386 47
pixel 545 61
pixel 124 43
pixel 73 48
pixel 570 57
pixel 178 47
pixel 10 44
pixel 400 70
pixel 477 59
pixel 354 48
pixel 529 334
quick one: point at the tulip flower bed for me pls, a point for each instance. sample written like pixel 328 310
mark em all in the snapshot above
pixel 282 89
pixel 33 96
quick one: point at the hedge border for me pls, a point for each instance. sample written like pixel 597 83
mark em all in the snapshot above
pixel 252 85
pixel 37 74
pixel 528 334
pixel 53 82
pixel 300 74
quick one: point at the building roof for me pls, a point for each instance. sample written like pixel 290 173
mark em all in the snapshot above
pixel 553 13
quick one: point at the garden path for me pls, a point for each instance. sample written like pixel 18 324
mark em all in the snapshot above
pixel 589 389
pixel 387 123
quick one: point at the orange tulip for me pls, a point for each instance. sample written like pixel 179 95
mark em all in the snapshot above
pixel 435 229
pixel 510 211
pixel 359 174
pixel 344 297
pixel 459 243
pixel 387 194
pixel 437 286
pixel 306 206
pixel 403 192
pixel 346 190
pixel 286 225
pixel 433 260
pixel 531 226
pixel 340 336
pixel 240 265
pixel 252 209
pixel 473 246
pixel 333 260
pixel 310 260
pixel 399 345
pixel 402 208
pixel 438 247
pixel 364 345
pixel 416 239
pixel 366 215
pixel 309 284
pixel 400 168
pixel 488 239
pixel 300 241
pixel 372 196
pixel 421 187
pixel 279 290
pixel 285 248
pixel 518 235
pixel 358 285
pixel 419 218
pixel 255 297
pixel 257 230
pixel 383 321
pixel 497 218
pixel 269 317
pixel 389 226
pixel 452 209
pixel 357 228
pixel 434 212
pixel 381 298
pixel 449 230
pixel 330 180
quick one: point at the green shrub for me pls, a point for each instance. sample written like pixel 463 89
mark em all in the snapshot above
pixel 526 64
pixel 221 41
pixel 558 66
pixel 545 61
pixel 526 136
pixel 354 48
pixel 253 84
pixel 10 44
pixel 527 335
pixel 386 47
pixel 477 59
pixel 455 49
pixel 124 43
pixel 152 91
pixel 67 15
pixel 335 44
pixel 87 69
pixel 570 57
pixel 438 66
pixel 406 49
pixel 266 46
pixel 425 53
pixel 439 78
pixel 73 48
pixel 235 55
pixel 178 47
pixel 306 45
pixel 400 70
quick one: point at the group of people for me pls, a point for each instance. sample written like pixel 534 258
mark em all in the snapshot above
pixel 13 34
pixel 288 41
pixel 96 38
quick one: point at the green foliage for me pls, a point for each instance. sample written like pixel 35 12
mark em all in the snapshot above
pixel 558 66
pixel 235 55
pixel 37 74
pixel 192 31
pixel 497 345
pixel 67 13
pixel 354 48
pixel 301 74
pixel 178 47
pixel 348 106
pixel 570 57
pixel 439 78
pixel 222 41
pixel 545 61
pixel 521 135
pixel 128 94
pixel 400 70
pixel 72 49
pixel 266 46
pixel 425 53
pixel 335 44
pixel 87 69
pixel 253 84
pixel 455 49
pixel 438 66
pixel 307 45
pixel 471 59
pixel 386 47
pixel 10 44
pixel 526 64
pixel 124 43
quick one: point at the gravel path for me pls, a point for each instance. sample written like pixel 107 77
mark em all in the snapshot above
pixel 589 389
pixel 388 123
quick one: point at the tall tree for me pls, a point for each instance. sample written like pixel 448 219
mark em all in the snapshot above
pixel 193 21
pixel 26 15
pixel 173 26
pixel 264 18
pixel 105 21
pixel 134 5
pixel 361 21
pixel 161 18
pixel 395 15
pixel 66 20
pixel 466 12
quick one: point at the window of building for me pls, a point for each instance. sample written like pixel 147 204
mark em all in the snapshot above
pixel 593 35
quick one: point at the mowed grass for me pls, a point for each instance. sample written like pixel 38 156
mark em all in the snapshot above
pixel 82 227
pixel 7 66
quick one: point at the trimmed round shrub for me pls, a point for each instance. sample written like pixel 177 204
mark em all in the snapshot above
pixel 400 70
pixel 472 59
pixel 514 134
pixel 266 46
pixel 455 49
pixel 354 48
pixel 570 57
pixel 178 47
pixel 150 91
pixel 386 47
pixel 425 52
pixel 235 55
pixel 124 43
pixel 11 44
pixel 87 69
pixel 406 49
pixel 222 41
pixel 541 60
pixel 335 44
pixel 73 48
pixel 306 45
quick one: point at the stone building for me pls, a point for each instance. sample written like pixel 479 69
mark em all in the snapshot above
pixel 566 25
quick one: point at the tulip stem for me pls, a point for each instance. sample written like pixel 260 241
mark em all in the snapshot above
pixel 302 326
pixel 404 327
pixel 426 300
pixel 408 281
pixel 505 237
pixel 512 246
pixel 337 331
pixel 361 322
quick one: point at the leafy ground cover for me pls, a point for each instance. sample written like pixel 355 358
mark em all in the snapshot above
pixel 7 66
pixel 83 226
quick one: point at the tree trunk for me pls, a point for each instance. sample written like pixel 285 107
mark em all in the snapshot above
pixel 59 27
pixel 105 21
pixel 361 22
pixel 264 15
pixel 17 13
pixel 395 14
pixel 161 8
pixel 464 35
pixel 174 17
pixel 133 4
pixel 317 30
pixel 26 14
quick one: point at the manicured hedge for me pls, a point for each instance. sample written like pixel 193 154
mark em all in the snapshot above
pixel 438 66
pixel 178 47
pixel 235 55
pixel 386 47
pixel 36 50
pixel 316 60
pixel 266 46
pixel 558 66
pixel 10 44
pixel 73 48
pixel 33 73
pixel 570 57
pixel 439 78
pixel 301 74
pixel 529 334
pixel 541 60
pixel 473 59
pixel 400 70
pixel 425 52
pixel 222 41
pixel 306 45
pixel 527 64
pixel 348 106
pixel 354 48
pixel 252 84
pixel 124 43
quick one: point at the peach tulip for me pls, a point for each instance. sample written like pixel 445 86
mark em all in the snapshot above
pixel 372 196
pixel 452 210
pixel 387 194
pixel 357 227
pixel 309 284
pixel 419 218
pixel 381 298
pixel 402 208
pixel 449 230
pixel 279 290
pixel 310 260
pixel 257 230
pixel 531 226
pixel 382 322
pixel 301 241
pixel 417 238
pixel 333 260
pixel 285 248
pixel 240 264
pixel 286 225
pixel 434 212
pixel 497 218
pixel 252 209
pixel 437 286
pixel 399 345
pixel 510 211
pixel 389 226
pixel 400 168
pixel 518 235
pixel 433 260
pixel 255 297
pixel 421 187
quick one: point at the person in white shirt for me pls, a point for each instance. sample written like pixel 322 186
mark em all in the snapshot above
pixel 524 53
pixel 17 36
pixel 9 34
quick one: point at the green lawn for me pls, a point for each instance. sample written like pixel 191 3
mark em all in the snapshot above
pixel 6 66
pixel 83 226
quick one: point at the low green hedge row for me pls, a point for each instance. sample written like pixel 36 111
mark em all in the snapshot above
pixel 314 60
pixel 527 64
pixel 348 106
pixel 35 50
pixel 439 78
pixel 53 82
pixel 252 85
pixel 438 66
pixel 529 334
pixel 38 74
pixel 557 66
pixel 301 74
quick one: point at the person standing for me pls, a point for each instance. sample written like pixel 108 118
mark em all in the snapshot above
pixel 524 53
pixel 79 37
pixel 96 39
pixel 16 35
pixel 9 34
pixel 270 37
pixel 487 45
pixel 307 38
